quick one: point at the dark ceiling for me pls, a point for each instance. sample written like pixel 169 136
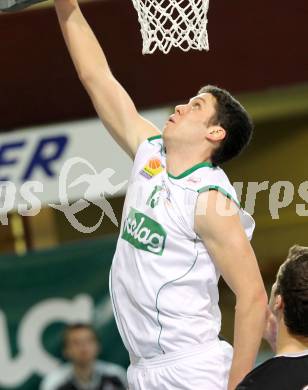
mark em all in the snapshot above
pixel 253 45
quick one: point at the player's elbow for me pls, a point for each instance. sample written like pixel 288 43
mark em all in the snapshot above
pixel 95 75
pixel 254 296
pixel 87 78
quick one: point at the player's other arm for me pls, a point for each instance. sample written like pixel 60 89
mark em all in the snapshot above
pixel 229 247
pixel 111 101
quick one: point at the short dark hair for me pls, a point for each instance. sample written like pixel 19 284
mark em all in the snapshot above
pixel 292 285
pixel 77 326
pixel 232 116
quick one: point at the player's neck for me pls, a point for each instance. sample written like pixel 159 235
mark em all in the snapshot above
pixel 179 161
pixel 288 343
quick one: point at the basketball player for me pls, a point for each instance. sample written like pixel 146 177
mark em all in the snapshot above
pixel 287 329
pixel 182 227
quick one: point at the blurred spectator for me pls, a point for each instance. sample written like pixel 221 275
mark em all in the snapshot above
pixel 84 372
pixel 286 329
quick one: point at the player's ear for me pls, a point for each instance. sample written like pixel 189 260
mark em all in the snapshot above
pixel 216 133
pixel 278 303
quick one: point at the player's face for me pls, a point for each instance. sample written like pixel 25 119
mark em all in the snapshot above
pixel 82 347
pixel 275 300
pixel 191 119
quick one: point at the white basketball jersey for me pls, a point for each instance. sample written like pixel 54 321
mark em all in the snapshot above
pixel 163 282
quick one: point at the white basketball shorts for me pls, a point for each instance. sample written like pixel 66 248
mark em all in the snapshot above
pixel 204 366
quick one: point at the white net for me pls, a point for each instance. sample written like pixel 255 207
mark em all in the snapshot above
pixel 173 23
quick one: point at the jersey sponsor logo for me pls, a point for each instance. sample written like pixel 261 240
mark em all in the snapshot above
pixel 143 232
pixel 152 168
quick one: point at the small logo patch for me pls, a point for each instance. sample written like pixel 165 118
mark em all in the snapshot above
pixel 154 196
pixel 152 168
pixel 143 232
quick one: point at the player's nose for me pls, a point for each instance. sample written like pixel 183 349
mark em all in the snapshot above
pixel 180 109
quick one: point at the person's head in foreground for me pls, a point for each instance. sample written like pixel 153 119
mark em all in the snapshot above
pixel 289 300
pixel 213 126
pixel 80 344
pixel 286 330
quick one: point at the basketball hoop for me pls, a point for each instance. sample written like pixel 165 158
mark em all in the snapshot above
pixel 173 23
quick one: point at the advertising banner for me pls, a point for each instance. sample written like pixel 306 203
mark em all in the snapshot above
pixel 40 293
pixel 54 164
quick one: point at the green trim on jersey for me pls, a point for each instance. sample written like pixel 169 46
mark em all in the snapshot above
pixel 192 169
pixel 221 190
pixel 188 171
pixel 166 284
pixel 154 137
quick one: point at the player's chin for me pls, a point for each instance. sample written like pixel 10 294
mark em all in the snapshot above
pixel 168 126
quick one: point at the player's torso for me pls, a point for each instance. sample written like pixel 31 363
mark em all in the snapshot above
pixel 163 283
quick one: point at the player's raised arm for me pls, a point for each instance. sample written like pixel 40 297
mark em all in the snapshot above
pixel 230 249
pixel 111 101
